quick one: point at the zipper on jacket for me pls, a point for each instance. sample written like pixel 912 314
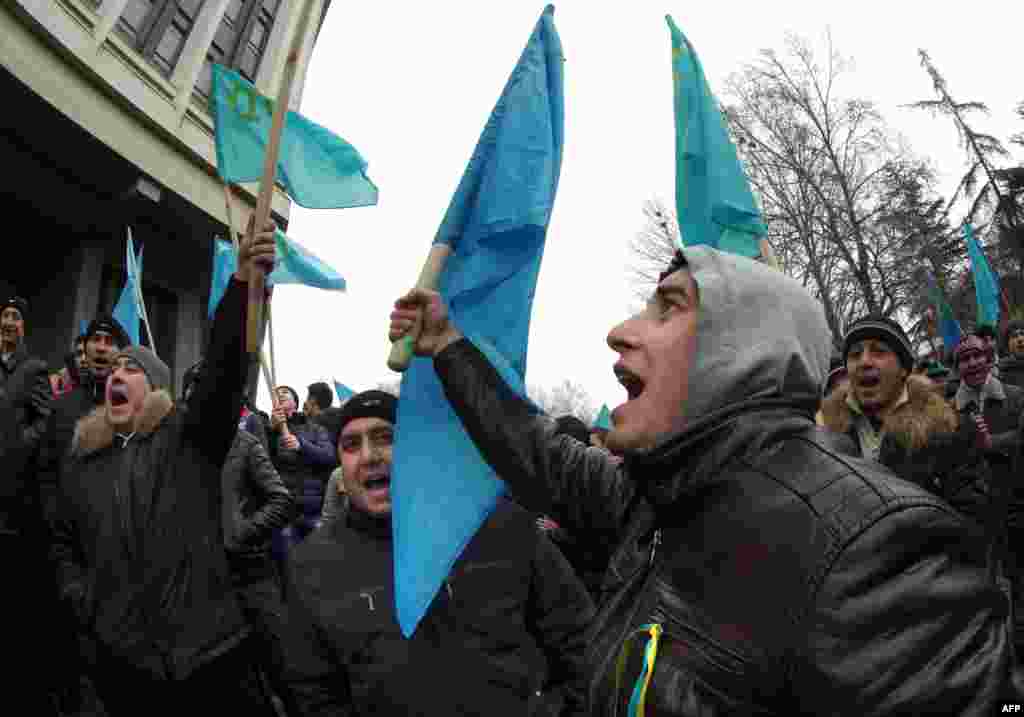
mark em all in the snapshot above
pixel 655 542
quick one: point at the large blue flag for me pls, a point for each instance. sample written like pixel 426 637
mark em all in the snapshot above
pixel 714 202
pixel 295 265
pixel 317 168
pixel 343 391
pixel 986 286
pixel 949 327
pixel 496 224
pixel 127 310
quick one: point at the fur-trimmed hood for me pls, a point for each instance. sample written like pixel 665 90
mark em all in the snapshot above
pixel 913 424
pixel 94 433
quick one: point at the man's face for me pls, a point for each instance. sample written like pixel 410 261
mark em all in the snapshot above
pixel 364 449
pixel 990 341
pixel 286 401
pixel 974 368
pixel 311 408
pixel 1015 342
pixel 656 348
pixel 876 375
pixel 127 388
pixel 12 326
pixel 100 349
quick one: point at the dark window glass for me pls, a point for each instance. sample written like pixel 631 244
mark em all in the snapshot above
pixel 241 40
pixel 158 28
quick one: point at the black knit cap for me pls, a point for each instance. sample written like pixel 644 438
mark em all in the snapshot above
pixel 369 404
pixel 110 325
pixel 1015 325
pixel 878 327
pixel 18 303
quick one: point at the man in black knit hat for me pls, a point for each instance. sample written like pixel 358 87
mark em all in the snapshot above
pixel 510 601
pixel 1011 368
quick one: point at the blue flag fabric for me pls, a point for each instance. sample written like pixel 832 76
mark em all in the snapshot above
pixel 949 327
pixel 343 391
pixel 317 168
pixel 496 224
pixel 604 419
pixel 714 202
pixel 127 310
pixel 83 326
pixel 986 286
pixel 295 265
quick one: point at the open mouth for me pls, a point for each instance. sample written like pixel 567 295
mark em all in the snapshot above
pixel 378 483
pixel 869 381
pixel 118 394
pixel 630 381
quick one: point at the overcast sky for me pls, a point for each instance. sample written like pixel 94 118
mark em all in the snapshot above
pixel 411 86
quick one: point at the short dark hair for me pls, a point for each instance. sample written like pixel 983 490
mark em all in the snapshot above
pixel 322 394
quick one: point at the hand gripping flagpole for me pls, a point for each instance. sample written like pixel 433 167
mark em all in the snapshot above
pixel 258 280
pixel 430 275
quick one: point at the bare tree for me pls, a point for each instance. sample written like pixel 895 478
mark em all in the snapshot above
pixel 653 247
pixel 835 185
pixel 567 398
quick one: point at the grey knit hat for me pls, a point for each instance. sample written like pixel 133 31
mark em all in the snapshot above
pixel 156 370
pixel 883 329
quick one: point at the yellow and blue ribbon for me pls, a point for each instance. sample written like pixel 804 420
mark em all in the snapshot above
pixel 638 700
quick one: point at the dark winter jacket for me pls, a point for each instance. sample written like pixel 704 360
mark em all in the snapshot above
pixel 925 442
pixel 305 471
pixel 138 540
pixel 510 604
pixel 787 577
pixel 25 397
pixel 1011 371
pixel 256 503
pixel 60 428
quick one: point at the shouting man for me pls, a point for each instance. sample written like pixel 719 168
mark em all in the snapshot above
pixel 138 539
pixel 756 568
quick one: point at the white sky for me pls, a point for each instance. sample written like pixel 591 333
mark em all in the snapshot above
pixel 412 89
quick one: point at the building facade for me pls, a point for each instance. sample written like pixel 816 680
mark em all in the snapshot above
pixel 107 127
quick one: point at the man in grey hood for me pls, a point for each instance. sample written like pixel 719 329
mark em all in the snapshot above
pixel 757 567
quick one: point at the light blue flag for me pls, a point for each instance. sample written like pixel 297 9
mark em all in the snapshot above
pixel 127 310
pixel 986 286
pixel 343 391
pixel 83 326
pixel 295 265
pixel 496 223
pixel 317 168
pixel 949 327
pixel 604 419
pixel 714 202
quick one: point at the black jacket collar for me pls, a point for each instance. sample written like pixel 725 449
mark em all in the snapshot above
pixel 689 461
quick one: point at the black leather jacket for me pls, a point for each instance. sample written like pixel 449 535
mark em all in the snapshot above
pixel 788 577
pixel 256 504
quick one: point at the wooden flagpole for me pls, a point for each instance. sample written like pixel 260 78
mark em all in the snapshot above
pixel 266 193
pixel 430 274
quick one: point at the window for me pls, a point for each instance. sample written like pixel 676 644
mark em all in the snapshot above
pixel 158 28
pixel 240 41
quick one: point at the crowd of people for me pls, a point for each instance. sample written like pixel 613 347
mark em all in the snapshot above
pixel 765 529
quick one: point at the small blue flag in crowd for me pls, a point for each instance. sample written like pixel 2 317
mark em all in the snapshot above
pixel 949 327
pixel 604 419
pixel 343 391
pixel 317 168
pixel 714 202
pixel 496 225
pixel 986 286
pixel 295 265
pixel 128 309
